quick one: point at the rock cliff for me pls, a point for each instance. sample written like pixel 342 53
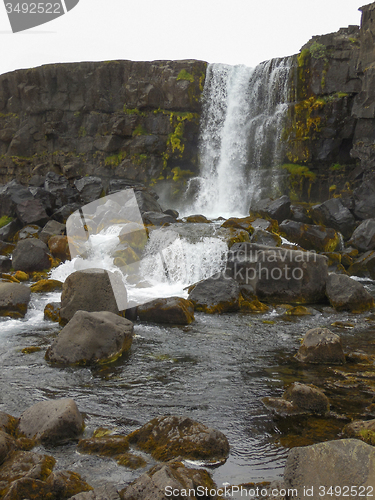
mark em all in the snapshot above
pixel 134 120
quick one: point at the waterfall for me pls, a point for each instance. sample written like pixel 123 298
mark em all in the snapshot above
pixel 240 141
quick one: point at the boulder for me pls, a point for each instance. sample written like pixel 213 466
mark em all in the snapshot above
pixel 14 299
pixel 363 237
pixel 59 187
pixel 320 345
pixel 159 483
pixel 29 231
pixel 5 264
pixel 279 275
pixel 63 484
pixel 337 464
pixel 147 202
pixel 52 228
pixel 244 223
pixel 262 237
pixel 310 237
pixel 332 213
pixel 346 294
pixel 299 399
pixel 63 213
pixel 299 214
pixel 23 475
pixel 8 232
pixel 11 195
pixel 157 218
pixel 170 437
pixel 272 209
pixel 90 188
pixel 364 266
pixel 173 310
pixel 8 423
pixel 31 255
pixel 6 248
pixel 7 445
pixel 216 295
pixel 51 422
pixel 91 337
pixel 59 247
pixel 361 429
pixel 92 290
pixel 31 212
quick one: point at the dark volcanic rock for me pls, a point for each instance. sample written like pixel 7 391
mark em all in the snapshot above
pixel 31 255
pixel 157 218
pixel 14 299
pixel 311 237
pixel 52 422
pixel 162 479
pixel 52 228
pixel 333 213
pixel 363 237
pixel 213 295
pixel 89 188
pixel 333 463
pixel 174 310
pixel 320 345
pixel 147 202
pixel 91 337
pixel 170 437
pixel 91 290
pixel 279 275
pixel 364 198
pixel 346 294
pixel 31 212
pixel 5 264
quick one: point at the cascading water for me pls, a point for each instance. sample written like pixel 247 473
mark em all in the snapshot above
pixel 240 142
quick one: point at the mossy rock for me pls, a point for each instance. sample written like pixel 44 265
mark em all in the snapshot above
pixel 21 276
pixel 131 461
pixel 31 349
pixel 108 446
pixel 52 311
pixel 298 311
pixel 169 437
pixel 361 429
pixel 254 306
pixel 244 223
pixel 44 286
pixel 9 278
pixel 197 219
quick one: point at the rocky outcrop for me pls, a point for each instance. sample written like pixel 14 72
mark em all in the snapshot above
pixel 134 120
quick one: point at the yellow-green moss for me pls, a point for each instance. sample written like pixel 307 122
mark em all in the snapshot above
pixel 82 132
pixel 115 160
pixel 184 75
pixel 4 220
pixel 134 111
pixel 139 130
pixel 31 349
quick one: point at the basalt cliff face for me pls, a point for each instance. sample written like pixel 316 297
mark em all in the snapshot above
pixel 330 131
pixel 134 120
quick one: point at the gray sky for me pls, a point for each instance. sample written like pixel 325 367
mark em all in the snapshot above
pixel 229 31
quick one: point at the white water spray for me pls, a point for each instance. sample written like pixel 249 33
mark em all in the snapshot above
pixel 240 143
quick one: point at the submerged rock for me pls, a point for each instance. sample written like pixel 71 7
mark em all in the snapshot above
pixel 170 437
pixel 91 337
pixel 320 345
pixel 173 310
pixel 159 482
pixel 346 294
pixel 43 286
pixel 52 311
pixel 51 422
pixel 299 399
pixel 337 464
pixel 216 296
pixel 91 290
pixel 14 299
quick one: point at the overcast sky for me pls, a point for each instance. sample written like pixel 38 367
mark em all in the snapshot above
pixel 229 31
